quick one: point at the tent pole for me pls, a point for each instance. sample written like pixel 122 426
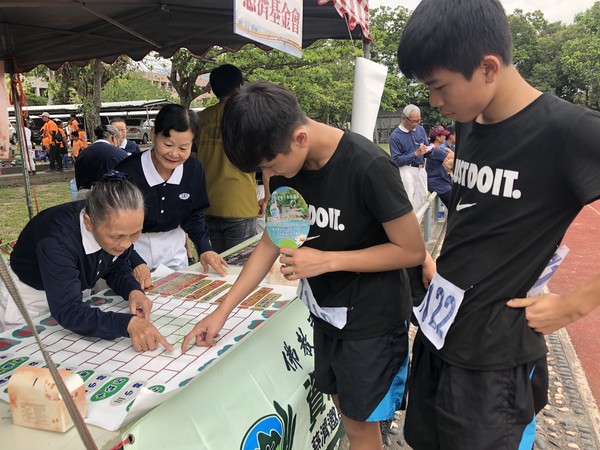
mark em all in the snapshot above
pixel 366 48
pixel 22 142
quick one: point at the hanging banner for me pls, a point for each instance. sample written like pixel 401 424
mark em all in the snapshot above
pixel 276 23
pixel 369 81
pixel 4 134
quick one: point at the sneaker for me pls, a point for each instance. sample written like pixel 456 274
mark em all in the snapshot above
pixel 49 170
pixel 59 170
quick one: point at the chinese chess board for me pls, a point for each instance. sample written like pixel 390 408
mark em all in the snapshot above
pixel 113 372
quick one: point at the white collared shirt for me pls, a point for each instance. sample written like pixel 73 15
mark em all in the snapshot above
pixel 153 177
pixel 87 238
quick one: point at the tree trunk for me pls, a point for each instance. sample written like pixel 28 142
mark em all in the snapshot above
pixel 51 77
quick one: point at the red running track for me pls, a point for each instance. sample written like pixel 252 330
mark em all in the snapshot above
pixel 581 264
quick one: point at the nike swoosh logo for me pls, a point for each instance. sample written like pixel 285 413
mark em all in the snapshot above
pixel 460 207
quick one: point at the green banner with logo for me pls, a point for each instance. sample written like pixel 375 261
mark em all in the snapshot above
pixel 259 396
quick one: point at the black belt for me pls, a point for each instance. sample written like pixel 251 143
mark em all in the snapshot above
pixel 420 166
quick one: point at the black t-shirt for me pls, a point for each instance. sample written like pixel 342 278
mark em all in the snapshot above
pixel 349 198
pixel 518 185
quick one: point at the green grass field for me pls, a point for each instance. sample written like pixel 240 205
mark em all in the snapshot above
pixel 13 207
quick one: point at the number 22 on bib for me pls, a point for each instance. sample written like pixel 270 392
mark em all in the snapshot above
pixel 438 310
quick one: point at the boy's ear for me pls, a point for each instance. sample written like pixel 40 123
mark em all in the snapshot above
pixel 300 136
pixel 490 65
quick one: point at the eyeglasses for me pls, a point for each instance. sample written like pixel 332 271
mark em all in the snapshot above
pixel 414 122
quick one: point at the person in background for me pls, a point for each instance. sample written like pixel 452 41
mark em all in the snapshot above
pixel 450 142
pixel 72 124
pixel 77 145
pixel 231 217
pixel 448 163
pixel 63 144
pixel 100 157
pixel 438 179
pixel 360 340
pixel 52 140
pixel 129 146
pixel 65 249
pixel 175 193
pixel 82 136
pixel 29 152
pixel 479 374
pixel 409 147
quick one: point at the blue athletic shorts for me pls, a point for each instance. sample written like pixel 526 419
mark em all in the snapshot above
pixel 453 408
pixel 368 375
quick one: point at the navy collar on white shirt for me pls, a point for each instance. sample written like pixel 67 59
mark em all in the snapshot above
pixel 152 176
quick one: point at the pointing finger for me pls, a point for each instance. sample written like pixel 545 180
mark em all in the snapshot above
pixel 162 340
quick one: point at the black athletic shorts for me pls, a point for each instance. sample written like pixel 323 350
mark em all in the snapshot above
pixel 368 375
pixel 453 408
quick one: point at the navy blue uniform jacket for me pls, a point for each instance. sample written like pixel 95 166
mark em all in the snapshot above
pixel 49 255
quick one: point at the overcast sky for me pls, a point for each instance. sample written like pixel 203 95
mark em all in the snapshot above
pixel 554 10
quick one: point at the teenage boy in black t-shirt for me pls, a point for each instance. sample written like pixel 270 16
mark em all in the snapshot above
pixel 525 165
pixel 364 232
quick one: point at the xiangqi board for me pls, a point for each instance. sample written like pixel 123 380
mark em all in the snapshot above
pixel 114 373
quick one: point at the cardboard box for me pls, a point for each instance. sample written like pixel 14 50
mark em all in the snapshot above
pixel 36 403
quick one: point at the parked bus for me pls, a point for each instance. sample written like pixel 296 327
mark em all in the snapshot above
pixel 145 109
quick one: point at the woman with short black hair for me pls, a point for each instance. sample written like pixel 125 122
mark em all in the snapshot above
pixel 174 188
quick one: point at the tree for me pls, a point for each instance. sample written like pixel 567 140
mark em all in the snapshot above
pixel 132 86
pixel 560 59
pixel 87 81
pixel 386 28
pixel 581 58
pixel 322 79
pixel 185 70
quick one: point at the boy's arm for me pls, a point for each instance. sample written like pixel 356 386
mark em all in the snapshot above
pixel 549 312
pixel 257 267
pixel 405 249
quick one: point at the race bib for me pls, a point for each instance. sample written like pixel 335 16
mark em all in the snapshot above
pixel 439 309
pixel 336 316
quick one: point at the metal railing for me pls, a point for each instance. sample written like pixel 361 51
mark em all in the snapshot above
pixel 432 218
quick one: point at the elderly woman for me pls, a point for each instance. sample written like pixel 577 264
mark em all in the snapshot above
pixel 65 249
pixel 99 158
pixel 174 189
pixel 438 179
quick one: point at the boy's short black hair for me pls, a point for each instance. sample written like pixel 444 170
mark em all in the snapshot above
pixel 174 117
pixel 453 35
pixel 258 122
pixel 225 79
